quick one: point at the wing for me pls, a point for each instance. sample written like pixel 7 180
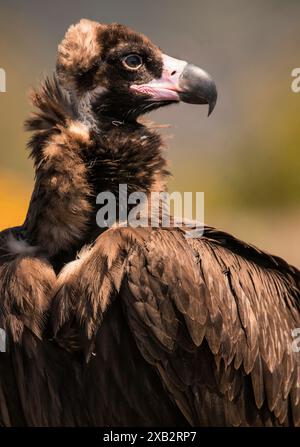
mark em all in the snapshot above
pixel 212 316
pixel 215 317
pixel 88 320
pixel 25 282
pixel 32 370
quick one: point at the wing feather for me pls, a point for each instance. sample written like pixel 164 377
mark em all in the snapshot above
pixel 241 302
pixel 213 316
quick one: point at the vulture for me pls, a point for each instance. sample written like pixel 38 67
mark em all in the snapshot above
pixel 133 326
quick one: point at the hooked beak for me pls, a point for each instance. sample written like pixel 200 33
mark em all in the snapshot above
pixel 181 81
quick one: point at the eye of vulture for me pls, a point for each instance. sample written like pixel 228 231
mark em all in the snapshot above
pixel 133 326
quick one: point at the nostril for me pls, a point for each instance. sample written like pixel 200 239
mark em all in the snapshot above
pixel 173 72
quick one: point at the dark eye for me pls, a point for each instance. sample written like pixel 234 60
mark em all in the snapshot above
pixel 132 61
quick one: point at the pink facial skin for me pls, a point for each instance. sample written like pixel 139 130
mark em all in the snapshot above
pixel 167 87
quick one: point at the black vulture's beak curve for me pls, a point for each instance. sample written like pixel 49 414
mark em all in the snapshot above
pixel 181 81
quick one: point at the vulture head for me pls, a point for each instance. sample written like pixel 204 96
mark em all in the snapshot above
pixel 114 71
pixel 87 138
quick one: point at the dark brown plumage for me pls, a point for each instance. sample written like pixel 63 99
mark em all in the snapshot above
pixel 145 326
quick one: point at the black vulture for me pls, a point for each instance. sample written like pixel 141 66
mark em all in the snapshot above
pixel 133 326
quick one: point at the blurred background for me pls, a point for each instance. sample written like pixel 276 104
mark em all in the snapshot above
pixel 245 157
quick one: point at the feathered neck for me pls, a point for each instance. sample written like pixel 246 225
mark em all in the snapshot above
pixel 74 163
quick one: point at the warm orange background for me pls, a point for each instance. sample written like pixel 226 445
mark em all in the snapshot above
pixel 245 157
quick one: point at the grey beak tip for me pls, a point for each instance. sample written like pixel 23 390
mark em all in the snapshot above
pixel 198 87
pixel 211 106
